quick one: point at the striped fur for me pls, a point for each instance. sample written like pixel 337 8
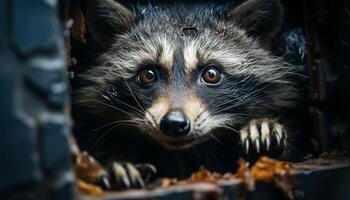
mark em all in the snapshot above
pixel 255 82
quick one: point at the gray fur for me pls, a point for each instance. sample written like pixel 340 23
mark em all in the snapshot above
pixel 237 41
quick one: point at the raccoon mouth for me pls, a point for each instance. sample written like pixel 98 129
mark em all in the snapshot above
pixel 178 143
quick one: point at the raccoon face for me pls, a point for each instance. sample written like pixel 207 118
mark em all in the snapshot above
pixel 178 74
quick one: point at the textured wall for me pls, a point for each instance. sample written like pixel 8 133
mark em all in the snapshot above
pixel 34 127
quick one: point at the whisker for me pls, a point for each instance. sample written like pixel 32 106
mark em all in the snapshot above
pixel 128 86
pixel 99 139
pixel 231 128
pixel 119 121
pixel 215 138
pixel 119 109
pixel 143 109
pixel 128 105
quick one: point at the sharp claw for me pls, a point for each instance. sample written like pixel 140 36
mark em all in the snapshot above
pixel 246 145
pixel 147 171
pixel 135 176
pixel 141 182
pixel 257 146
pixel 278 139
pixel 267 143
pixel 103 181
pixel 146 168
pixel 126 181
pixel 106 182
pixel 121 174
pixel 283 137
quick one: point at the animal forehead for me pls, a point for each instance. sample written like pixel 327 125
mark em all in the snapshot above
pixel 178 56
pixel 202 52
pixel 189 52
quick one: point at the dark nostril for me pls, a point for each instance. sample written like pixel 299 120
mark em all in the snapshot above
pixel 175 123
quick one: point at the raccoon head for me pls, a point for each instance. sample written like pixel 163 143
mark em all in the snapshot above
pixel 180 73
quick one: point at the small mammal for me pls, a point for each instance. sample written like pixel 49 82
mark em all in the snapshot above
pixel 182 86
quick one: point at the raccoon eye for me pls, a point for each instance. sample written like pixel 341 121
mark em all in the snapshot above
pixel 147 76
pixel 211 75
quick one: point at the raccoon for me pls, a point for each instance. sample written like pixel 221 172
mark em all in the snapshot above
pixel 182 86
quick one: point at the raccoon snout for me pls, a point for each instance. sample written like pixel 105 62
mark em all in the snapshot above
pixel 175 123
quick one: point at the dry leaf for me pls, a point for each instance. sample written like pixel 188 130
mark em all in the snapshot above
pixel 276 172
pixel 246 175
pixel 78 28
pixel 265 169
pixel 87 168
pixel 89 188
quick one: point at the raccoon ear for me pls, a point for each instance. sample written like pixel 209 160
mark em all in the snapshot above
pixel 107 18
pixel 261 18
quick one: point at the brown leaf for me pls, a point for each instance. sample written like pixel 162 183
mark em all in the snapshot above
pixel 275 172
pixel 79 28
pixel 87 168
pixel 246 175
pixel 89 188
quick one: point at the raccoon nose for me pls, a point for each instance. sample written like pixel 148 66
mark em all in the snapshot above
pixel 175 123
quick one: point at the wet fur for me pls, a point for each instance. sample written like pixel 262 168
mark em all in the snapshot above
pixel 256 83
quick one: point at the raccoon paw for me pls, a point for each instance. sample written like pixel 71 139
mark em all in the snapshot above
pixel 126 175
pixel 263 136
